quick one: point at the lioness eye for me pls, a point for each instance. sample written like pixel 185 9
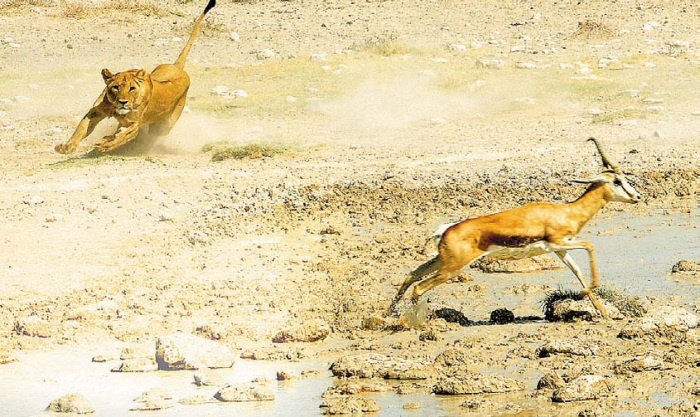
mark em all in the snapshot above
pixel 115 88
pixel 132 88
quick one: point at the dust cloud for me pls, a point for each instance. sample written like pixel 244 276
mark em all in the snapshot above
pixel 395 105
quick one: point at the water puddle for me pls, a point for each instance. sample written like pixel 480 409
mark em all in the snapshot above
pixel 29 385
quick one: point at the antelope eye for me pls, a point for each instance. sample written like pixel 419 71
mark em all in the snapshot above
pixel 617 182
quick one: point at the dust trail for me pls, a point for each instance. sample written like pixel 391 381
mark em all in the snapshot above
pixel 195 130
pixel 191 133
pixel 394 105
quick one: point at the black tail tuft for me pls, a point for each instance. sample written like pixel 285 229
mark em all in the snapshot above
pixel 210 6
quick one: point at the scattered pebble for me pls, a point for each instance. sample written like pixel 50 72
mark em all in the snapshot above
pixel 490 63
pixel 264 54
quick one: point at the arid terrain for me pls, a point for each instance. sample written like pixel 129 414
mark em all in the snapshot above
pixel 361 127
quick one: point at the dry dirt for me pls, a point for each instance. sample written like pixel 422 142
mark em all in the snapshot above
pixel 396 116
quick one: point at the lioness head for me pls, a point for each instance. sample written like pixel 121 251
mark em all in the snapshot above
pixel 127 90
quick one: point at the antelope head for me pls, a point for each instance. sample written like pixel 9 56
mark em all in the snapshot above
pixel 617 186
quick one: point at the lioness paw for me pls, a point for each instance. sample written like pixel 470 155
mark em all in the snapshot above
pixel 63 148
pixel 103 148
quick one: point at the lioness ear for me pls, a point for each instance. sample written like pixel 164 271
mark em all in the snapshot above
pixel 141 74
pixel 106 75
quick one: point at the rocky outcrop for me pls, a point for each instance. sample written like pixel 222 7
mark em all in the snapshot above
pixel 185 351
pixel 572 347
pixel 243 393
pixel 349 405
pixel 309 332
pixel 137 365
pixel 571 310
pixel 474 383
pixel 71 403
pixel 585 387
pixel 663 323
pixel 208 378
pixel 373 365
pixel 639 364
pixel 550 380
pixel 153 399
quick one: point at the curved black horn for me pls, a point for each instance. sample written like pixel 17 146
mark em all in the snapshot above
pixel 606 162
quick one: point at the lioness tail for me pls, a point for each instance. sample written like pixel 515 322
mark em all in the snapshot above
pixel 180 63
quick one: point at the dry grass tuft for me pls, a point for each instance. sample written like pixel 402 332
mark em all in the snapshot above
pixel 80 9
pixel 589 29
pixel 75 9
pixel 226 150
pixel 12 4
pixel 148 7
pixel 385 45
pixel 628 305
pixel 454 80
pixel 553 297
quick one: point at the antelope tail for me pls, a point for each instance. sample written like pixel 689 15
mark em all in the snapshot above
pixel 180 63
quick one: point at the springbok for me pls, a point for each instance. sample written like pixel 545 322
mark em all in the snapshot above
pixel 523 232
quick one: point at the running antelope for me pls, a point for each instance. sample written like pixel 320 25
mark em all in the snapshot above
pixel 523 232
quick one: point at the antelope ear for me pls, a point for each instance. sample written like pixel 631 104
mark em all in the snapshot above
pixel 593 180
pixel 106 75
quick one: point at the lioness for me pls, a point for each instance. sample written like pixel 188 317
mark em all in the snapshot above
pixel 136 98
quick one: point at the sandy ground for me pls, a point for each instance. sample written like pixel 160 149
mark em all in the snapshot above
pixel 470 108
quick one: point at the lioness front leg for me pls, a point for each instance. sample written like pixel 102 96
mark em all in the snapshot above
pixel 123 135
pixel 85 127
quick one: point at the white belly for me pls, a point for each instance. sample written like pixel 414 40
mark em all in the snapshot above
pixel 528 251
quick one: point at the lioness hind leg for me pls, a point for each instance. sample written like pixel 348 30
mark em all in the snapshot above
pixel 163 127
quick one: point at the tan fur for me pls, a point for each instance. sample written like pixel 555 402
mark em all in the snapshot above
pixel 529 230
pixel 137 99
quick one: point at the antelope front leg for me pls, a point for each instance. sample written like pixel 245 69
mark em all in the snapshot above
pixel 594 270
pixel 569 262
pixel 123 135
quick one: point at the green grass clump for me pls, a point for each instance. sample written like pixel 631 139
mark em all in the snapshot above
pixel 553 297
pixel 628 305
pixel 221 151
